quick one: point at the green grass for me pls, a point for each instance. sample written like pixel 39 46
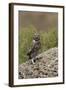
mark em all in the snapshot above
pixel 48 40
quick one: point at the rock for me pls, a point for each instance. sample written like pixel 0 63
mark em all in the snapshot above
pixel 44 67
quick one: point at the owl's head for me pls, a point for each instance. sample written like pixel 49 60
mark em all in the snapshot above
pixel 36 37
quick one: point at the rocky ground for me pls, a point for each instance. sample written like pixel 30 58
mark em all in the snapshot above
pixel 46 66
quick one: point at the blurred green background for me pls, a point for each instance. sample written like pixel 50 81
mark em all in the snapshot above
pixel 44 23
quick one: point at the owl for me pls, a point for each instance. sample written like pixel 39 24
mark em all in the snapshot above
pixel 36 45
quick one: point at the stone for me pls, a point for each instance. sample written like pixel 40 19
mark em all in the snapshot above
pixel 44 67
